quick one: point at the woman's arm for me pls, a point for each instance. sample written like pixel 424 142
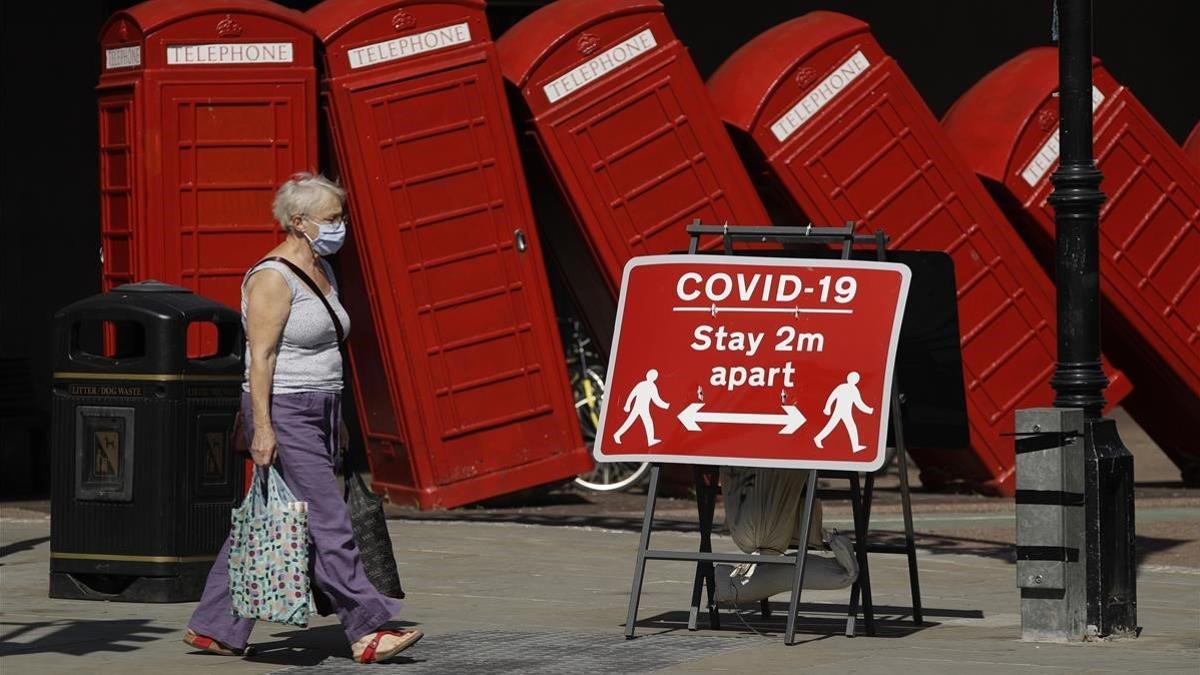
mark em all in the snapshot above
pixel 268 304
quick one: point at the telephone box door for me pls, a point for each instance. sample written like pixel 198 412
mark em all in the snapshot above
pixel 233 143
pixel 626 126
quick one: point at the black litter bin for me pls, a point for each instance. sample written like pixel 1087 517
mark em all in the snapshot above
pixel 143 470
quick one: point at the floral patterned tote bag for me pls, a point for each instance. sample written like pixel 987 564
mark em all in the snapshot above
pixel 268 556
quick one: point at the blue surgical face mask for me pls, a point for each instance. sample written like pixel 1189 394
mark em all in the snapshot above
pixel 330 237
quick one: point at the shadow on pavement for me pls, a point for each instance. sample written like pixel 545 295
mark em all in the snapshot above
pixel 79 638
pixel 1146 546
pixel 625 523
pixel 1005 550
pixel 299 647
pixel 310 646
pixel 890 622
pixel 893 611
pixel 18 546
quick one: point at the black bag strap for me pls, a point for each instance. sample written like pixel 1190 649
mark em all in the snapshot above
pixel 337 324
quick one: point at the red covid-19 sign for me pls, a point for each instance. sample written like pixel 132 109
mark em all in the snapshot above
pixel 778 362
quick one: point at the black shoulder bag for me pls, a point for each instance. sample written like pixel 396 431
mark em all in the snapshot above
pixel 365 507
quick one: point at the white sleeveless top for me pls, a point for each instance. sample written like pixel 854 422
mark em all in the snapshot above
pixel 307 356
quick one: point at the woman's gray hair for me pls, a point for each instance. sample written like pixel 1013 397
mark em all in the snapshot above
pixel 301 194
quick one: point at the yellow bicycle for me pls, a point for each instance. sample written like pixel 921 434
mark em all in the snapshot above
pixel 587 373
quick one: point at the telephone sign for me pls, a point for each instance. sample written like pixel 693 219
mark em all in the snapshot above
pixel 778 362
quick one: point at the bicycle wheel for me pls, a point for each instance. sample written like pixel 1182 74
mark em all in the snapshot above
pixel 605 476
pixel 613 476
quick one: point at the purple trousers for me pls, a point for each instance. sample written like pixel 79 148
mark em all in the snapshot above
pixel 306 426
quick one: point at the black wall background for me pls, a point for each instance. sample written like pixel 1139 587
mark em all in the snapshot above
pixel 49 220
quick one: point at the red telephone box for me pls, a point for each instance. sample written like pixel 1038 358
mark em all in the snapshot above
pixel 461 380
pixel 1006 128
pixel 1192 147
pixel 626 127
pixel 839 128
pixel 205 108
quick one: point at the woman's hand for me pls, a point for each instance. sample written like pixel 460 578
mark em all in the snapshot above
pixel 262 448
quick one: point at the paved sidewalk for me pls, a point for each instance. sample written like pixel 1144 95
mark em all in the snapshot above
pixel 512 597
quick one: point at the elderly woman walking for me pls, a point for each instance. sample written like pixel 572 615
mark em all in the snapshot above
pixel 291 401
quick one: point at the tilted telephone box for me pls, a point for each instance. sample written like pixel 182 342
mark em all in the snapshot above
pixel 839 129
pixel 459 373
pixel 1191 147
pixel 626 128
pixel 1006 128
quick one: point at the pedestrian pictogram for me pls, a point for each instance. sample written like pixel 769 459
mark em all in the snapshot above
pixel 840 406
pixel 753 361
pixel 638 407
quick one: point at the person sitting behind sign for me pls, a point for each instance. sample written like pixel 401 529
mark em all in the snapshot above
pixel 291 401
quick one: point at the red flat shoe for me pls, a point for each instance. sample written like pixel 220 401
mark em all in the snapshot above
pixel 211 646
pixel 372 654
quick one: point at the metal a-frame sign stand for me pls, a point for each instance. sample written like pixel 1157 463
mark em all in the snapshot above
pixel 706 478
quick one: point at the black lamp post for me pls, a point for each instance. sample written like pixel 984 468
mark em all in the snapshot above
pixel 1078 380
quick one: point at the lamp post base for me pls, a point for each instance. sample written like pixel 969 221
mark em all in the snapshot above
pixel 1109 515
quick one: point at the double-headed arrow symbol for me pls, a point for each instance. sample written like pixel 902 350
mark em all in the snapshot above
pixel 790 419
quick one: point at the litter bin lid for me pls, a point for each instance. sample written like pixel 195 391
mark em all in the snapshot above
pixel 150 286
pixel 159 336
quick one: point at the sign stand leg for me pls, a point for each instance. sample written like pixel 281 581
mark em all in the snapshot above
pixel 789 636
pixel 706 479
pixel 868 598
pixel 910 544
pixel 860 503
pixel 862 585
pixel 639 567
